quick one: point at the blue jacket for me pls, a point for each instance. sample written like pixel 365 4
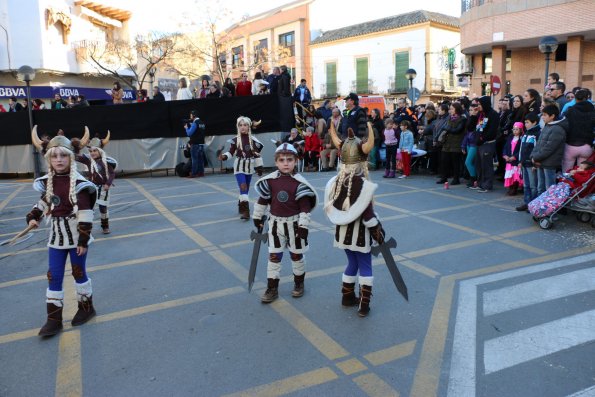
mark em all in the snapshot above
pixel 406 141
pixel 528 141
pixel 307 96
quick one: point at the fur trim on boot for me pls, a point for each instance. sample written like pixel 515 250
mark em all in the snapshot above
pixel 298 286
pixel 272 291
pixel 54 305
pixel 84 296
pixel 244 210
pixel 349 298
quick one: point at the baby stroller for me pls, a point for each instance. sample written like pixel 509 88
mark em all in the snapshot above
pixel 559 196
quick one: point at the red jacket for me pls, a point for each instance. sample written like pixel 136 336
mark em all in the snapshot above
pixel 244 88
pixel 312 143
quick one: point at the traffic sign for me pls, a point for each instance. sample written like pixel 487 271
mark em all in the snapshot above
pixel 413 94
pixel 495 85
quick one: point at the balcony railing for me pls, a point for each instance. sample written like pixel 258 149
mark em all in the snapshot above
pixel 466 5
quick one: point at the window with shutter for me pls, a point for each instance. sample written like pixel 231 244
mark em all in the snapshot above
pixel 401 66
pixel 331 78
pixel 361 75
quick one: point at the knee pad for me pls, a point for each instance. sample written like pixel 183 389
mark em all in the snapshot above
pixel 275 257
pixel 77 272
pixel 243 186
pixel 49 275
pixel 296 257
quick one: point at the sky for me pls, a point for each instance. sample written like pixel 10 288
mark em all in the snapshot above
pixel 329 14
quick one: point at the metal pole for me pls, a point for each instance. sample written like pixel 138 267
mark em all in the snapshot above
pixel 547 68
pixel 36 163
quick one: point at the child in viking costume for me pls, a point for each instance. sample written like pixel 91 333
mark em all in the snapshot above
pixel 246 150
pixel 101 173
pixel 348 204
pixel 291 199
pixel 67 200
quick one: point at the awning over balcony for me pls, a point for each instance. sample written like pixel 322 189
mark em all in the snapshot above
pixel 104 10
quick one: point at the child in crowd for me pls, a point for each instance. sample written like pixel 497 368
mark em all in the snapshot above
pixel 101 173
pixel 512 175
pixel 527 144
pixel 67 200
pixel 549 150
pixel 391 142
pixel 579 174
pixel 312 146
pixel 406 147
pixel 291 200
pixel 246 149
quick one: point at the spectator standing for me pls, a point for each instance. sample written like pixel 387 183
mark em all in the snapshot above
pixel 487 130
pixel 354 117
pixel 82 102
pixel 528 141
pixel 549 151
pixel 256 83
pixel 244 87
pixel 532 102
pixel 513 176
pixel 469 145
pixel 557 91
pixel 581 127
pixel 391 143
pixel 406 147
pixel 229 85
pixel 195 130
pixel 183 90
pixel 14 105
pixel 451 147
pixel 58 102
pixel 117 94
pixel 273 80
pixel 157 95
pixel 214 92
pixel 439 125
pixel 303 96
pixel 284 88
pixel 204 89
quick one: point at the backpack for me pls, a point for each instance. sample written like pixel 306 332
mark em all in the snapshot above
pixel 183 169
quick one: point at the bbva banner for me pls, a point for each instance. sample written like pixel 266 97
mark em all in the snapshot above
pixel 46 92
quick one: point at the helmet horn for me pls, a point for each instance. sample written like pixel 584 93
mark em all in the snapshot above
pixel 255 123
pixel 86 137
pixel 105 140
pixel 336 140
pixel 369 144
pixel 38 143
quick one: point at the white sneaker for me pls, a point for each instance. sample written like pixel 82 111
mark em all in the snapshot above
pixel 403 177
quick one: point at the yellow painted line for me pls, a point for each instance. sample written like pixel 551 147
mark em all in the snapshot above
pixel 373 386
pixel 317 337
pixel 240 272
pixel 185 195
pixel 126 203
pixel 525 247
pixel 10 197
pixel 120 194
pixel 194 207
pixel 235 243
pixel 70 302
pixel 520 232
pixel 397 193
pixel 289 385
pixel 446 247
pixel 139 261
pixel 125 218
pixel 427 374
pixel 137 311
pixel 455 226
pixel 69 380
pixel 225 220
pixel 418 268
pixel 351 366
pixel 446 209
pixel 391 354
pixel 392 207
pixel 223 190
pixel 170 216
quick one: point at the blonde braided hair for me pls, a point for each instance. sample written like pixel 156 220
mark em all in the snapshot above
pixel 95 169
pixel 244 119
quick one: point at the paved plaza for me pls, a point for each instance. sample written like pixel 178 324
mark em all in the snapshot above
pixel 497 306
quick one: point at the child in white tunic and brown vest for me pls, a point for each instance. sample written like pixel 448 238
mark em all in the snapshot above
pixel 246 150
pixel 348 204
pixel 291 200
pixel 67 200
pixel 102 171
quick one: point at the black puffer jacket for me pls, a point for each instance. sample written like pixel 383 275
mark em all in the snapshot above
pixel 581 122
pixel 488 122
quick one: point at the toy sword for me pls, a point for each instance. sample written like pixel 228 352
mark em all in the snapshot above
pixel 384 249
pixel 20 237
pixel 258 238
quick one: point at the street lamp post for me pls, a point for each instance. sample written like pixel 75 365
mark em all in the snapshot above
pixel 152 73
pixel 547 45
pixel 27 74
pixel 410 74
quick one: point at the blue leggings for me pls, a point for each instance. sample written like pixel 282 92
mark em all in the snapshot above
pixel 243 182
pixel 58 263
pixel 358 261
pixel 470 160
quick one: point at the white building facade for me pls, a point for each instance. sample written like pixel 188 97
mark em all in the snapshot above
pixel 373 57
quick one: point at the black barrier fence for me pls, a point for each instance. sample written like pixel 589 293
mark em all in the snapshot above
pixel 150 119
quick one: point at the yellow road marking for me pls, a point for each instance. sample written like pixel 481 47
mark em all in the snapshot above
pixel 446 247
pixel 138 261
pixel 219 189
pixel 69 381
pixel 391 354
pixel 427 374
pixel 418 267
pixel 10 197
pixel 203 206
pixel 373 386
pixel 351 366
pixel 523 246
pixel 289 385
pixel 318 338
pixel 185 195
pixel 126 203
pixel 225 220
